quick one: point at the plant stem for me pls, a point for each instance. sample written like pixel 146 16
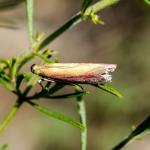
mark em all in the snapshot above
pixel 11 114
pixel 69 24
pixel 122 144
pixel 29 7
pixel 82 115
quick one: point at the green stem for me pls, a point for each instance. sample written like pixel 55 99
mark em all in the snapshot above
pixel 147 1
pixel 29 7
pixel 11 114
pixel 82 115
pixel 69 24
pixel 122 144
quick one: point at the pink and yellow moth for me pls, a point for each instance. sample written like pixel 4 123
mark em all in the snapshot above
pixel 74 73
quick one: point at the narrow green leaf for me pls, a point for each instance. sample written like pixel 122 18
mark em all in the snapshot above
pixel 28 77
pixel 56 88
pixel 147 1
pixel 68 95
pixel 13 69
pixel 85 5
pixel 23 63
pixel 5 61
pixel 14 61
pixel 3 75
pixel 108 89
pixel 44 58
pixel 94 18
pixel 40 94
pixel 141 140
pixel 6 84
pixel 56 60
pixel 48 52
pixel 47 84
pixel 40 37
pixel 29 8
pixel 37 35
pixel 4 147
pixel 58 116
pixel 132 128
pixel 19 79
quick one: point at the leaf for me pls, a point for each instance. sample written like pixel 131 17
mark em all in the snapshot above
pixel 108 89
pixel 132 128
pixel 49 52
pixel 5 61
pixel 36 35
pixel 28 77
pixel 58 116
pixel 68 95
pixel 141 140
pixel 19 79
pixel 40 36
pixel 3 75
pixel 94 18
pixel 44 58
pixel 13 69
pixel 4 147
pixel 23 63
pixel 85 5
pixel 56 88
pixel 13 61
pixel 47 84
pixel 6 85
pixel 56 60
pixel 147 1
pixel 40 94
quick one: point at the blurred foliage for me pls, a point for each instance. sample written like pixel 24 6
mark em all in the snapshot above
pixel 6 4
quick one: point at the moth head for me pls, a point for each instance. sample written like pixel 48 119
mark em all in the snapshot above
pixel 34 69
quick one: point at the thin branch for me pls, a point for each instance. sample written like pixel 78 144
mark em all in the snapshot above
pixel 29 7
pixel 82 115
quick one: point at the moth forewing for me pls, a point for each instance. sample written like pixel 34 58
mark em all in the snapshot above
pixel 75 73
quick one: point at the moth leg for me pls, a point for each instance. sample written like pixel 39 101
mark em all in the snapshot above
pixel 78 85
pixel 48 80
pixel 43 79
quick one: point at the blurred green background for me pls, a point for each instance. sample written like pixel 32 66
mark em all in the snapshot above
pixel 123 40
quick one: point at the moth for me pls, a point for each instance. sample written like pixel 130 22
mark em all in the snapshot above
pixel 74 73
